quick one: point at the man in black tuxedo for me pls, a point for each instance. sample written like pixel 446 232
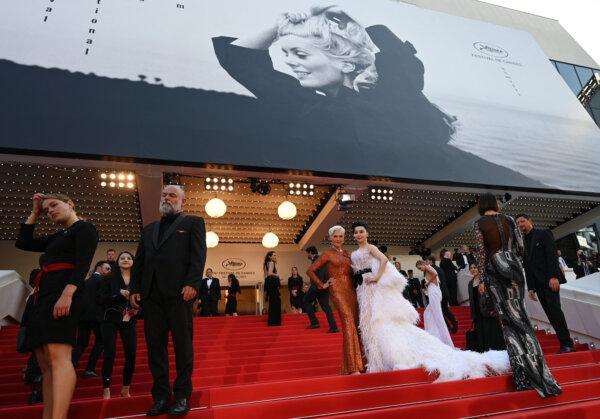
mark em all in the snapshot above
pixel 543 277
pixel 414 290
pixel 453 327
pixel 165 280
pixel 111 259
pixel 210 294
pixel 91 316
pixel 450 269
pixel 464 259
pixel 322 296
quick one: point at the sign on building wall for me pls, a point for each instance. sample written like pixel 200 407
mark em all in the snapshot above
pixel 370 88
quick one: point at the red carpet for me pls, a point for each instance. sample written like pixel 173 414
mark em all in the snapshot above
pixel 244 369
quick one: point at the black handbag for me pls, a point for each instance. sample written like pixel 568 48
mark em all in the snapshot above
pixel 22 339
pixel 504 264
pixel 22 335
pixel 357 277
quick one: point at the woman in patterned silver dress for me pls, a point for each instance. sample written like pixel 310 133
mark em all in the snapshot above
pixel 494 232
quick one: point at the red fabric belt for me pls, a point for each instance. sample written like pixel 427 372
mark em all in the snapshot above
pixel 52 267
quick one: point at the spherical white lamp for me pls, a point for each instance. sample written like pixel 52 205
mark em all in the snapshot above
pixel 212 239
pixel 270 240
pixel 287 210
pixel 215 208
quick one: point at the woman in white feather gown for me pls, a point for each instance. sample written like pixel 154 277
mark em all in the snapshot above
pixel 390 338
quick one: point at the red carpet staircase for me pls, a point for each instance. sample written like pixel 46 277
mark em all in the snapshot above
pixel 245 370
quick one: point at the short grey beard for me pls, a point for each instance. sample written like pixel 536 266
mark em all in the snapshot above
pixel 166 209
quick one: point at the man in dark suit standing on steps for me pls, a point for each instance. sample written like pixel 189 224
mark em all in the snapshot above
pixel 90 319
pixel 322 296
pixel 544 278
pixel 166 276
pixel 464 259
pixel 210 294
pixel 451 280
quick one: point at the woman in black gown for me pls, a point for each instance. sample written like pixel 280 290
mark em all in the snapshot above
pixel 272 284
pixel 494 232
pixel 295 286
pixel 484 315
pixel 119 318
pixel 232 291
pixel 57 300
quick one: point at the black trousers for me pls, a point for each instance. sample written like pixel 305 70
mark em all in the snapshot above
pixel 322 296
pixel 164 315
pixel 447 313
pixel 416 299
pixel 550 302
pixel 128 332
pixel 452 291
pixel 209 308
pixel 84 330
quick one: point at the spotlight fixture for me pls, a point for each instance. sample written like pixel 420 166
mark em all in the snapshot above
pixel 119 180
pixel 262 187
pixel 381 194
pixel 345 201
pixel 505 198
pixel 222 184
pixel 301 189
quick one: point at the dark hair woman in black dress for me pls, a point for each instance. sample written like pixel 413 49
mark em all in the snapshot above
pixel 496 232
pixel 272 284
pixel 484 315
pixel 232 291
pixel 54 312
pixel 295 285
pixel 119 318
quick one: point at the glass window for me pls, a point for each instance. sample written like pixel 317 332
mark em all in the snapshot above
pixel 567 71
pixel 584 74
pixel 596 115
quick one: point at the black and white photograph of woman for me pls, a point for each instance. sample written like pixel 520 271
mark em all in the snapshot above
pixel 351 92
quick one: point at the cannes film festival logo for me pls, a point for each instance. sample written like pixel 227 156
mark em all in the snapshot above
pixel 233 264
pixel 490 49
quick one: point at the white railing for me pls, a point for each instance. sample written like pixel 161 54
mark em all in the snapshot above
pixel 13 294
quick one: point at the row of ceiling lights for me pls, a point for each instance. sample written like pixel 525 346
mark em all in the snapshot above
pixel 117 180
pixel 218 184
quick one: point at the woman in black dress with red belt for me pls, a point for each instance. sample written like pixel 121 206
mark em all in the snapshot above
pixel 54 313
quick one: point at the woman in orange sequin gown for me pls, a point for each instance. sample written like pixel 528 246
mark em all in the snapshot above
pixel 341 289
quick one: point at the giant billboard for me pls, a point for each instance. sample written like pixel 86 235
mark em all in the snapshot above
pixel 377 88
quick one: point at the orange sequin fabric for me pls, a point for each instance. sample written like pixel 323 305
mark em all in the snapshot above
pixel 343 295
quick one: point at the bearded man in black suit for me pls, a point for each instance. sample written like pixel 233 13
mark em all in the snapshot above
pixel 166 277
